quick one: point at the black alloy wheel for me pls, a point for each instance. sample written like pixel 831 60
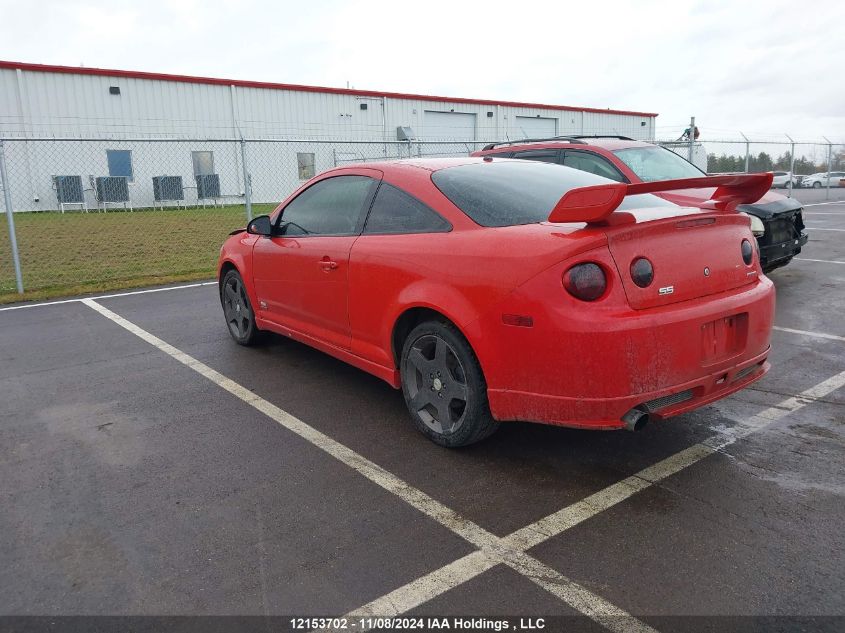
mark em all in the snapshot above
pixel 240 317
pixel 444 387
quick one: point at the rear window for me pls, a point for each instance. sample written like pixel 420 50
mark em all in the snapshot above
pixel 507 193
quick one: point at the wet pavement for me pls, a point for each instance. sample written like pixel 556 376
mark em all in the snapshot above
pixel 131 484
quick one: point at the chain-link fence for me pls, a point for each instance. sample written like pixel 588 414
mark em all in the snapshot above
pixel 104 214
pixel 724 156
pixel 94 215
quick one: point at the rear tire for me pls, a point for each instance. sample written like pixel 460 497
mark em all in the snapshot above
pixel 240 317
pixel 444 386
pixel 817 185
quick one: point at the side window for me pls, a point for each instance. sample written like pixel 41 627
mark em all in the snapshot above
pixel 329 207
pixel 394 211
pixel 120 163
pixel 542 155
pixel 502 155
pixel 592 163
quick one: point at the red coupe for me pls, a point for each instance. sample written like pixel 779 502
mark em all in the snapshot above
pixel 492 289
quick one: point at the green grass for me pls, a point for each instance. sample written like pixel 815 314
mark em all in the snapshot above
pixel 74 253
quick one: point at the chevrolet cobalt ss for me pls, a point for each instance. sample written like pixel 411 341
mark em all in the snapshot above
pixel 492 289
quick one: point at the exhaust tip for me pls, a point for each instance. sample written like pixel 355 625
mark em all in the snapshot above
pixel 635 419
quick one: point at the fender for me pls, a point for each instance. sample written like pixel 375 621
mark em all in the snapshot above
pixel 241 259
pixel 422 293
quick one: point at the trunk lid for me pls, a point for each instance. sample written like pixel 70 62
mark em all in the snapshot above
pixel 692 255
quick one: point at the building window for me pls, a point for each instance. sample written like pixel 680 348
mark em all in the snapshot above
pixel 203 163
pixel 305 165
pixel 120 163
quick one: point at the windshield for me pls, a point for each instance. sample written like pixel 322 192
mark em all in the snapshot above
pixel 508 192
pixel 657 163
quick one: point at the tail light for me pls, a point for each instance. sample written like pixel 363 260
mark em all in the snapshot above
pixel 642 272
pixel 585 281
pixel 747 252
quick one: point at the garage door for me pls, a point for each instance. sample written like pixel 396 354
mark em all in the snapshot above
pixel 535 127
pixel 448 126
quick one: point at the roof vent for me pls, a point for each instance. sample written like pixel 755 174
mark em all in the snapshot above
pixel 114 90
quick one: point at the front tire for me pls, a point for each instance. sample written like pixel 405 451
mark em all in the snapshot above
pixel 444 386
pixel 817 185
pixel 240 317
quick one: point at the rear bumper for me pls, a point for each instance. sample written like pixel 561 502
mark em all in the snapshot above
pixel 606 413
pixel 586 365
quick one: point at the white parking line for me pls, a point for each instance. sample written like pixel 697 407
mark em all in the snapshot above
pixel 819 204
pixel 830 337
pixel 110 296
pixel 822 261
pixel 509 550
pixel 817 228
pixel 460 571
pixel 490 546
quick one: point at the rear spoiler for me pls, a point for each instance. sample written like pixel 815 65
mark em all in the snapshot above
pixel 596 203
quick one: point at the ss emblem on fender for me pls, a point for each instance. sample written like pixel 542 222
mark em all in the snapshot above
pixel 666 290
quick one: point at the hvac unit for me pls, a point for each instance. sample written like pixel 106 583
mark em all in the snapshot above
pixel 112 190
pixel 69 191
pixel 208 186
pixel 168 188
pixel 404 133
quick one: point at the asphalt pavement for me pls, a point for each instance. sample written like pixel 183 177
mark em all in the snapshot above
pixel 150 466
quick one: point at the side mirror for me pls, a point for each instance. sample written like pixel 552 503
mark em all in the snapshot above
pixel 260 226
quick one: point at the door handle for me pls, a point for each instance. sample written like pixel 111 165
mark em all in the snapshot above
pixel 327 264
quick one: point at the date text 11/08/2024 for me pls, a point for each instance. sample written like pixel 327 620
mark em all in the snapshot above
pixel 417 624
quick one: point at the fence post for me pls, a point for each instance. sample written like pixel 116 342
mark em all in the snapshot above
pixel 791 162
pixel 247 182
pixel 747 151
pixel 829 165
pixel 7 200
pixel 691 139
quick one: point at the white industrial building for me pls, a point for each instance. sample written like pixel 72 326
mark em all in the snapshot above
pixel 140 125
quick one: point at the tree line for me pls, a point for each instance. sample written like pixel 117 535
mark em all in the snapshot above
pixel 765 162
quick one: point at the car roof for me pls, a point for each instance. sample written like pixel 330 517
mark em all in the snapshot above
pixel 428 164
pixel 608 143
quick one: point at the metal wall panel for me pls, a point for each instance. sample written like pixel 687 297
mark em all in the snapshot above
pixel 66 104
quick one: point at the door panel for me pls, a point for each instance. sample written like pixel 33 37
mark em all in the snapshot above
pixel 453 126
pixel 302 281
pixel 535 127
pixel 301 273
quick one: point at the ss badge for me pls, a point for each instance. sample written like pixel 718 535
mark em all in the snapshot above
pixel 666 290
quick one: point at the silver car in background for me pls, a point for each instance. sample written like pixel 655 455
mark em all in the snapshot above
pixel 820 180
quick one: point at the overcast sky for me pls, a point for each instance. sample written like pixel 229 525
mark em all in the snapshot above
pixel 764 68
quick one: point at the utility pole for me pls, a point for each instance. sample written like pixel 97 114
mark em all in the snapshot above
pixel 747 151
